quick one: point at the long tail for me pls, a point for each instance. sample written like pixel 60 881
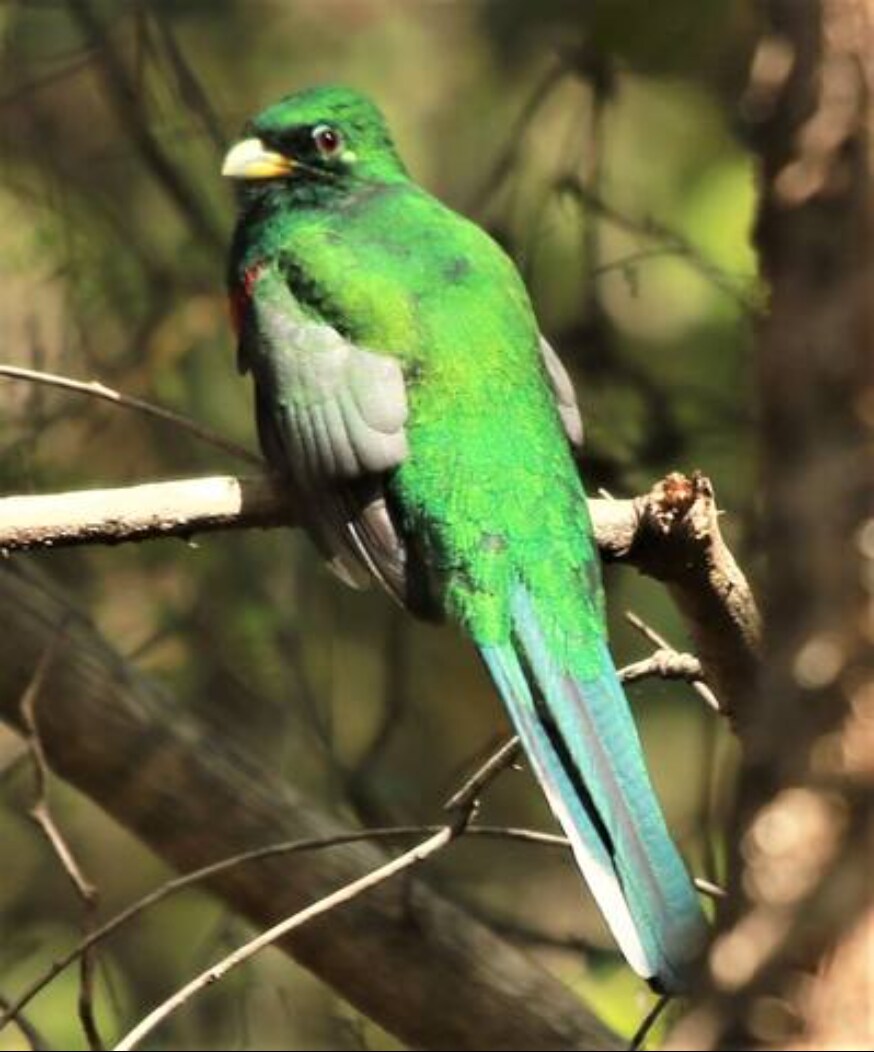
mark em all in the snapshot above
pixel 583 747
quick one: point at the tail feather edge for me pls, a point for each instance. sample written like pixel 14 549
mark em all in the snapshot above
pixel 578 732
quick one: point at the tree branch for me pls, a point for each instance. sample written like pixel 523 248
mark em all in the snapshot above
pixel 677 540
pixel 462 807
pixel 671 533
pixel 149 767
pixel 347 893
pixel 179 508
pixel 12 1010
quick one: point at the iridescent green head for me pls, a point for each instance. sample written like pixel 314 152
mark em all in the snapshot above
pixel 314 144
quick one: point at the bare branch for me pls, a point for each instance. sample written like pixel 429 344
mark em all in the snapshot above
pixel 677 540
pixel 11 1010
pixel 35 1040
pixel 462 805
pixel 41 814
pixel 668 663
pixel 243 953
pixel 671 533
pixel 149 769
pixel 135 513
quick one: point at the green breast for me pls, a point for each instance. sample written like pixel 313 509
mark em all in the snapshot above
pixel 490 488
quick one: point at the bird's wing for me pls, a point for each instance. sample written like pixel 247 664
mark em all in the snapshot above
pixel 331 417
pixel 565 397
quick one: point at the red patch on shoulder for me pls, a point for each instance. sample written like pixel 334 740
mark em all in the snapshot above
pixel 241 295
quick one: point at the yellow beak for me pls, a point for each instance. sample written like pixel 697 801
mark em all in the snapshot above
pixel 250 159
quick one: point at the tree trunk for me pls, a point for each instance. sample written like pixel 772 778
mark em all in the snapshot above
pixel 801 885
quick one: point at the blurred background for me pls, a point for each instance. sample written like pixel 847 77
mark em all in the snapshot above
pixel 600 143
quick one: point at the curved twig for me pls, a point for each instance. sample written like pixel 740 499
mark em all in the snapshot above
pixel 95 389
pixel 243 953
pixel 463 806
pixel 12 1009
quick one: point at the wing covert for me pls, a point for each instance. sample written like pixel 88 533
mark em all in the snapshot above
pixel 331 418
pixel 565 396
pixel 341 408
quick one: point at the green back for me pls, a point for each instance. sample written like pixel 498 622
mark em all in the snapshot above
pixel 490 487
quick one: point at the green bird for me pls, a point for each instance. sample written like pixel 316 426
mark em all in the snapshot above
pixel 404 392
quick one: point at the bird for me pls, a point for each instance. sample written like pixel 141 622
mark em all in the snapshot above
pixel 429 435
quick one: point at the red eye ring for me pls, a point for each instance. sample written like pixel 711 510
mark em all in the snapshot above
pixel 328 141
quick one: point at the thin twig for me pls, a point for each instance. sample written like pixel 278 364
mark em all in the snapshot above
pixel 32 1035
pixel 291 847
pixel 343 895
pixel 41 814
pixel 665 663
pixel 709 888
pixel 648 632
pixel 190 89
pixel 40 811
pixel 129 103
pixel 95 389
pixel 649 1021
pixel 466 797
pixel 626 262
pixel 85 996
pixel 243 953
pixel 652 229
pixel 176 884
pixel 505 160
pixel 463 806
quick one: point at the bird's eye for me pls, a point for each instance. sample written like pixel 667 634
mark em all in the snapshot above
pixel 328 141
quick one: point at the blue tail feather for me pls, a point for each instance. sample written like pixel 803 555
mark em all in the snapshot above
pixel 583 746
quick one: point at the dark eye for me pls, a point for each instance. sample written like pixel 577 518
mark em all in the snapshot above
pixel 328 141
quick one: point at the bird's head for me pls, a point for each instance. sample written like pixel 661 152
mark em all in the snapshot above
pixel 314 145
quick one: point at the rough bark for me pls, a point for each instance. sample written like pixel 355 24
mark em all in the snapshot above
pixel 801 886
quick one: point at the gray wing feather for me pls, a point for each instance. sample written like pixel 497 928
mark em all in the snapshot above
pixel 332 416
pixel 565 396
pixel 351 402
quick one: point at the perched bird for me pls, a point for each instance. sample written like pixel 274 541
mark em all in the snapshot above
pixel 405 394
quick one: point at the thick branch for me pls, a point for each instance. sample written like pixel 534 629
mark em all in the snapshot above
pixel 179 508
pixel 116 737
pixel 678 541
pixel 672 533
